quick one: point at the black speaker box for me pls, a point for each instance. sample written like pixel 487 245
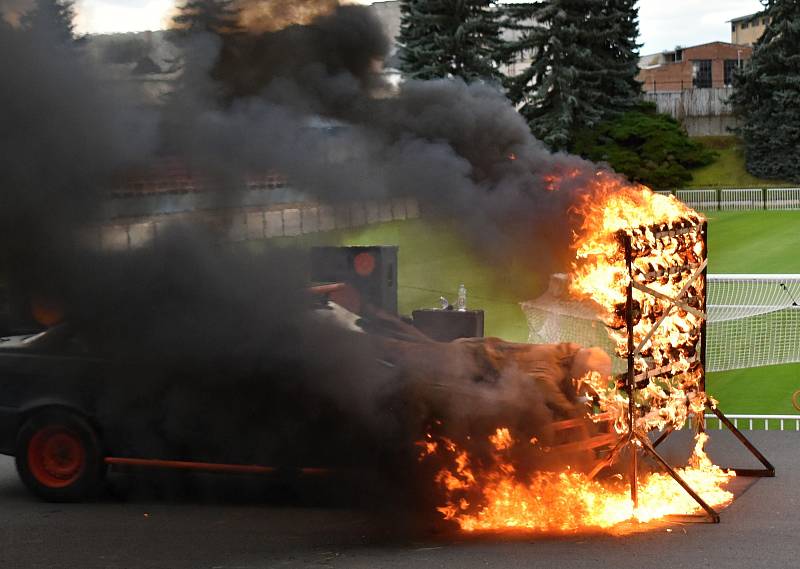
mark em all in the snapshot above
pixel 372 271
pixel 449 325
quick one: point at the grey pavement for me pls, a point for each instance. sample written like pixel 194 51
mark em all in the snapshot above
pixel 226 528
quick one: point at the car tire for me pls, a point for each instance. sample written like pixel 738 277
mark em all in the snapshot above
pixel 59 457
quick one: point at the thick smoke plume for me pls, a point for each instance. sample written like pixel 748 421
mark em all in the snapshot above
pixel 251 103
pixel 462 150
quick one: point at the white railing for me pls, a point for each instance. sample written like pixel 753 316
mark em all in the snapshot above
pixel 745 199
pixel 699 199
pixel 741 199
pixel 783 198
pixel 756 422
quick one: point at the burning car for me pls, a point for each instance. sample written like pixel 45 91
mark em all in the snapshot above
pixel 68 411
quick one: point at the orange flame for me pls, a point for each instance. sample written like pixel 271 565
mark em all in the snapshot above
pixel 667 257
pixel 492 497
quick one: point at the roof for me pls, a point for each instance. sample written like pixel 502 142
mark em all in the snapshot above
pixel 684 48
pixel 748 17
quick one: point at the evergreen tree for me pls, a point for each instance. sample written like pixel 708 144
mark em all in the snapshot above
pixel 560 93
pixel 450 38
pixel 52 17
pixel 617 29
pixel 584 64
pixel 767 96
pixel 215 16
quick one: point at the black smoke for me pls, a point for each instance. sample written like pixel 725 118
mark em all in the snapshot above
pixel 227 321
pixel 462 150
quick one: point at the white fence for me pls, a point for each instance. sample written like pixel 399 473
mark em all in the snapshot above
pixel 744 199
pixel 783 198
pixel 699 199
pixel 756 422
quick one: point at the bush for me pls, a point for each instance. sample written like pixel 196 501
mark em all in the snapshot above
pixel 648 147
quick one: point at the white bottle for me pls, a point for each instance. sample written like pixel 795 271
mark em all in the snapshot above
pixel 461 302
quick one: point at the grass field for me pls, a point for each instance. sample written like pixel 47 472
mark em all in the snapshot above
pixel 433 262
pixel 728 169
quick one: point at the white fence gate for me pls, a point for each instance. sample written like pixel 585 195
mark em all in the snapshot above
pixel 783 198
pixel 744 199
pixel 741 199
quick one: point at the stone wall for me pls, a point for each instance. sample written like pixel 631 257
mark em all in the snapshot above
pixel 250 224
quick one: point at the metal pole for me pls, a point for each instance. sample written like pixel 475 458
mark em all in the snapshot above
pixel 631 382
pixel 701 419
pixel 768 471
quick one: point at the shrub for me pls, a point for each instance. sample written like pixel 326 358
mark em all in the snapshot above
pixel 648 147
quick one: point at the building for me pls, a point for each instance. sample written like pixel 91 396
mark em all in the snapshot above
pixel 746 30
pixel 705 66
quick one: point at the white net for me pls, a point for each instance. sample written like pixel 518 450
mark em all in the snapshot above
pixel 753 320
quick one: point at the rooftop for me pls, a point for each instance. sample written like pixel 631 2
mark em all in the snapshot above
pixel 748 17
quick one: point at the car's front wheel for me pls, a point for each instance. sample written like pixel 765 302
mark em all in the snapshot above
pixel 59 456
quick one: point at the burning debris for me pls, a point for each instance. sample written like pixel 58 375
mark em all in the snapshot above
pixel 641 258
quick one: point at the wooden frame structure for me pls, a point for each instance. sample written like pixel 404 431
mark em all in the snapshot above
pixel 639 442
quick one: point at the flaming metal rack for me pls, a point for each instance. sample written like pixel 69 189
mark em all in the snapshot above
pixel 636 439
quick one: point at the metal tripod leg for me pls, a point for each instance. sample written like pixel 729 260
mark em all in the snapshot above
pixel 768 471
pixel 648 447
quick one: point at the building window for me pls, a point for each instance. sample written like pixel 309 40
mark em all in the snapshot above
pixel 701 73
pixel 744 25
pixel 733 27
pixel 730 68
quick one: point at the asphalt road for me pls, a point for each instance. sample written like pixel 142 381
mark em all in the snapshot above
pixel 237 524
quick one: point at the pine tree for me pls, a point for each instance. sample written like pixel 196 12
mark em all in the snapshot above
pixel 52 17
pixel 561 92
pixel 767 96
pixel 617 29
pixel 584 64
pixel 214 16
pixel 450 38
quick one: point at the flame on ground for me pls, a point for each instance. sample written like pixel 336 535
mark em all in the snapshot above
pixel 491 496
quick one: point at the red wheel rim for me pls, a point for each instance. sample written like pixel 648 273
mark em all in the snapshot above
pixel 56 457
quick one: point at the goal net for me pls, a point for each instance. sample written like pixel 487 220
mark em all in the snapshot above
pixel 753 320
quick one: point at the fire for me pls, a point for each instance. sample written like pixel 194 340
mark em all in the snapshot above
pixel 665 336
pixel 599 272
pixel 491 496
pixel 639 257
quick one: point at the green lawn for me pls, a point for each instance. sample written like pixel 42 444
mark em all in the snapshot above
pixel 728 169
pixel 754 242
pixel 433 262
pixel 764 390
